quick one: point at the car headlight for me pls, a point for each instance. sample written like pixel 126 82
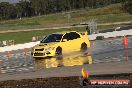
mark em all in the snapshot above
pixel 50 48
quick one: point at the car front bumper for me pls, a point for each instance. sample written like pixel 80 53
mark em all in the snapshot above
pixel 42 54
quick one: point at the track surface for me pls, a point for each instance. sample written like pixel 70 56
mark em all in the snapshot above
pixel 108 57
pixel 94 69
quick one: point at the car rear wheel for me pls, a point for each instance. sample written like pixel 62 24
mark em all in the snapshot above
pixel 58 51
pixel 83 47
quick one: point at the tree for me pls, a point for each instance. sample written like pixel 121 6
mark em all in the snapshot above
pixel 23 9
pixel 27 8
pixel 7 10
pixel 39 6
pixel 128 6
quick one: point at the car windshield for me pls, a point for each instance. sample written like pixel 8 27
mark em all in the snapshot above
pixel 52 38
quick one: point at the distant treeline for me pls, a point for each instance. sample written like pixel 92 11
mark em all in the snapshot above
pixel 28 8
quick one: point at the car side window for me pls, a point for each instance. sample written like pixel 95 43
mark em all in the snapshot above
pixel 67 36
pixel 71 36
pixel 74 35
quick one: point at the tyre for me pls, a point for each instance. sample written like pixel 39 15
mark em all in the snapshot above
pixel 58 51
pixel 83 47
pixel 99 37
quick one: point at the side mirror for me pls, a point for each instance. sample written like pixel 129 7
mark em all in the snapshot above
pixel 64 40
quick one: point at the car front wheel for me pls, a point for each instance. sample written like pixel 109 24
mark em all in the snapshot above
pixel 58 51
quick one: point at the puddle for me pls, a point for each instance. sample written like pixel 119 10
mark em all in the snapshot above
pixel 103 51
pixel 73 60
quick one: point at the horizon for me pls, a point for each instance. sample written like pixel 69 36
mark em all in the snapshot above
pixel 10 1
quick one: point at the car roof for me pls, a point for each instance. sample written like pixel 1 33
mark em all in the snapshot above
pixel 64 32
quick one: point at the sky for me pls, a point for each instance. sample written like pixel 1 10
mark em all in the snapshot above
pixel 11 1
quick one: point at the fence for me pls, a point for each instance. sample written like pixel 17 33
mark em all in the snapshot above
pixel 7 43
pixel 12 42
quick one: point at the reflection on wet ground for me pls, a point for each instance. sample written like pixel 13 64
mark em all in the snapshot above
pixel 17 64
pixel 60 61
pixel 101 51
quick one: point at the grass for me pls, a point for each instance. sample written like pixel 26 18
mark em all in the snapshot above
pixel 23 37
pixel 112 13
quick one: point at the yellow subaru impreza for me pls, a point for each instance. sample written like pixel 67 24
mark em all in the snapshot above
pixel 58 43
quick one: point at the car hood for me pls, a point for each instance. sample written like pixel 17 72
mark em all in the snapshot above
pixel 45 45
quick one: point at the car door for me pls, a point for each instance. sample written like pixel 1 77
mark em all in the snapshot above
pixel 65 43
pixel 75 41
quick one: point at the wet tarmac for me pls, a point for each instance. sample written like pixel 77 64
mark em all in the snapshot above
pixel 101 51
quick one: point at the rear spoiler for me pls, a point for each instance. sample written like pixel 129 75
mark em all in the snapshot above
pixel 83 33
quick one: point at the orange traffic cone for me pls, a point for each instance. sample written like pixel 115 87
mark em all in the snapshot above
pixel 125 42
pixel 92 44
pixel 84 73
pixel 9 54
pixel 25 52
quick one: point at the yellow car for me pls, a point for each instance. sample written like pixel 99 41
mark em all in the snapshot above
pixel 58 43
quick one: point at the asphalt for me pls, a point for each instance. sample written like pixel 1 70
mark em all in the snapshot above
pixel 105 56
pixel 93 69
